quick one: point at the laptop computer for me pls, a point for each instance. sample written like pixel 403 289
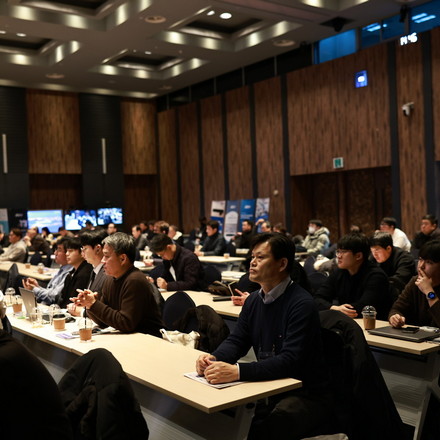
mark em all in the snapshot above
pixel 401 333
pixel 29 300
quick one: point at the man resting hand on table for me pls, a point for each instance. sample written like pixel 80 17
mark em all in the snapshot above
pixel 127 302
pixel 419 303
pixel 282 325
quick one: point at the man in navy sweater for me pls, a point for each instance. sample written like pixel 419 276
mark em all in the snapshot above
pixel 281 323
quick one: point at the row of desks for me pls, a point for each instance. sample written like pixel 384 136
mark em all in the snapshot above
pixel 175 406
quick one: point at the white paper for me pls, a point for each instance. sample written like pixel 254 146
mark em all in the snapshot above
pixel 201 379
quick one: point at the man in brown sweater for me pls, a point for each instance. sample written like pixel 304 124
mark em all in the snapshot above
pixel 127 302
pixel 419 303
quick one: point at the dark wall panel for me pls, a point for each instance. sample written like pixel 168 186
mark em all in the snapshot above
pixel 189 166
pixel 435 45
pixel 141 202
pixel 269 146
pixel 138 136
pixel 212 151
pixel 409 75
pixel 239 144
pixel 101 119
pixel 53 132
pixel 14 186
pixel 169 201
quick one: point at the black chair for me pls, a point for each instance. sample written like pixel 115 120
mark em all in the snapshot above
pixel 11 278
pixel 100 401
pixel 211 274
pixel 36 258
pixel 316 279
pixel 175 308
pixel 308 264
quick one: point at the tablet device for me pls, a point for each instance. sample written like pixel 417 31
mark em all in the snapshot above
pixel 401 333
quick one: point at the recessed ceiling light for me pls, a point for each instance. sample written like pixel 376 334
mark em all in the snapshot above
pixel 211 12
pixel 225 16
pixel 2 32
pixel 54 75
pixel 155 19
pixel 283 43
pixel 20 34
pixel 147 52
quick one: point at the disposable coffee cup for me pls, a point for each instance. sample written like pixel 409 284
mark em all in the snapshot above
pixel 17 307
pixel 27 265
pixel 369 316
pixel 59 322
pixel 85 326
pixel 226 255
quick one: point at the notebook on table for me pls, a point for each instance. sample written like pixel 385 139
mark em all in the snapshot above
pixel 401 333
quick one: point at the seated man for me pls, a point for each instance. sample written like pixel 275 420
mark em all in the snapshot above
pixel 317 239
pixel 214 244
pixel 357 282
pixel 429 230
pixel 281 323
pixel 175 235
pixel 126 302
pixel 49 295
pixel 140 240
pixel 16 251
pixel 400 240
pixel 395 262
pixel 419 303
pixel 243 240
pixel 79 276
pixel 182 269
pixel 35 242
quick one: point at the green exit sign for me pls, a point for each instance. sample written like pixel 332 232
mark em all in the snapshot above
pixel 338 162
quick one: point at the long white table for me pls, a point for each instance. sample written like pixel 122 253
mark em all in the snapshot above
pixel 411 371
pixel 32 272
pixel 174 406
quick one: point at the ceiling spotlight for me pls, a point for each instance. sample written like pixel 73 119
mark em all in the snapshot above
pixel 147 52
pixel 54 75
pixel 211 12
pixel 283 43
pixel 225 16
pixel 155 19
pixel 20 34
pixel 2 32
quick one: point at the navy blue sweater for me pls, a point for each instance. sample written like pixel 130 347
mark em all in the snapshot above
pixel 289 328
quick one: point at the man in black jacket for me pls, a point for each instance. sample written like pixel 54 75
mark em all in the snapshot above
pixel 215 244
pixel 398 264
pixel 182 269
pixel 356 283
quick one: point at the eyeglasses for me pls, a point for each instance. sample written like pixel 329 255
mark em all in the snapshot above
pixel 342 251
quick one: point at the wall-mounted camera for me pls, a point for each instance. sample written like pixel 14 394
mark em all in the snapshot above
pixel 407 108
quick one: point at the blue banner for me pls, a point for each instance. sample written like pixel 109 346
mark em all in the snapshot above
pixel 247 210
pixel 231 218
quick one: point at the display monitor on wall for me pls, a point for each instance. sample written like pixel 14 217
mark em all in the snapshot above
pixel 50 218
pixel 75 219
pixel 110 215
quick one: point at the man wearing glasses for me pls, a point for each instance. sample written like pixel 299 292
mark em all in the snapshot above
pixel 356 283
pixel 419 303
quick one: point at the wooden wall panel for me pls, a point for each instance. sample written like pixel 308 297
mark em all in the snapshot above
pixel 239 144
pixel 138 136
pixel 212 150
pixel 189 166
pixel 328 117
pixel 51 191
pixel 140 199
pixel 269 146
pixel 169 203
pixel 435 44
pixel 53 132
pixel 409 75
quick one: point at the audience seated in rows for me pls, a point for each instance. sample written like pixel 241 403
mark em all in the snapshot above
pixel 16 251
pixel 317 239
pixel 127 301
pixel 400 240
pixel 357 282
pixel 35 242
pixel 140 240
pixel 398 264
pixel 242 240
